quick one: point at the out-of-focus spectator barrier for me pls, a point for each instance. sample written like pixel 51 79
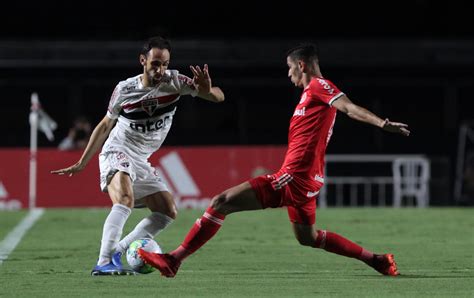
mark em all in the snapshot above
pixel 376 180
pixel 193 174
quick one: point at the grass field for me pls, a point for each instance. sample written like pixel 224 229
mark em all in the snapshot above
pixel 254 254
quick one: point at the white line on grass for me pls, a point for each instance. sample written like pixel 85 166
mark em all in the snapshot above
pixel 14 237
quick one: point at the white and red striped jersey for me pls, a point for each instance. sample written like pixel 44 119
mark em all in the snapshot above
pixel 310 130
pixel 145 114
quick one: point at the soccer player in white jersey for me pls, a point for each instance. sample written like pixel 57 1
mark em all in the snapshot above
pixel 138 119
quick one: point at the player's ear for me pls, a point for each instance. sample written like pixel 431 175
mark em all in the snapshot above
pixel 142 59
pixel 301 65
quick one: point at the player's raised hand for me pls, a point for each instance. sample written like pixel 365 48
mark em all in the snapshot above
pixel 396 127
pixel 201 79
pixel 77 167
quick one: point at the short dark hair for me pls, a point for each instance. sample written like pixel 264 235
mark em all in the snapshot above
pixel 306 52
pixel 155 42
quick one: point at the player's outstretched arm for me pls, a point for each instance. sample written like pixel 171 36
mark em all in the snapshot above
pixel 203 83
pixel 98 137
pixel 344 104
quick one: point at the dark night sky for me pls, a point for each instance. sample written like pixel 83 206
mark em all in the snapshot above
pixel 235 19
pixel 241 21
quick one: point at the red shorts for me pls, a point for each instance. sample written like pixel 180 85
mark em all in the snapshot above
pixel 282 189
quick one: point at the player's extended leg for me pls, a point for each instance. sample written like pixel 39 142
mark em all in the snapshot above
pixel 164 211
pixel 238 198
pixel 332 242
pixel 121 194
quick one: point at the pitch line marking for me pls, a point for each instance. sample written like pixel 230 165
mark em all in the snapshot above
pixel 14 237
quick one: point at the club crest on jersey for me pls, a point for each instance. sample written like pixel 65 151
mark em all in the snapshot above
pixel 303 98
pixel 150 105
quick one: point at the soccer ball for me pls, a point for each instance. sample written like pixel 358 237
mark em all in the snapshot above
pixel 134 259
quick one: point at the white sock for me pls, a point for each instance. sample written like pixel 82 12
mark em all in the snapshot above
pixel 148 227
pixel 113 228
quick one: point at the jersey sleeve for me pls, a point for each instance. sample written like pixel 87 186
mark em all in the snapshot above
pixel 324 90
pixel 185 85
pixel 114 104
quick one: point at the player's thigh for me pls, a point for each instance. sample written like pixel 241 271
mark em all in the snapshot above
pixel 303 218
pixel 120 189
pixel 238 198
pixel 162 202
pixel 303 213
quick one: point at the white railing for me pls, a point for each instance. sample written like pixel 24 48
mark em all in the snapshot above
pixel 464 161
pixel 410 175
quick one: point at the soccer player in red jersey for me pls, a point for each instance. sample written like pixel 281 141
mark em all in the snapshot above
pixel 296 185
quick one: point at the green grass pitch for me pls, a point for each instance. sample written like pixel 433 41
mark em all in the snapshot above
pixel 254 254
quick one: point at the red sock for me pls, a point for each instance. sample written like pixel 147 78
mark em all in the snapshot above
pixel 337 244
pixel 201 232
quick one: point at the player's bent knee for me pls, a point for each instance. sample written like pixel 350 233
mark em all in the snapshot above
pixel 125 199
pixel 219 201
pixel 305 241
pixel 173 213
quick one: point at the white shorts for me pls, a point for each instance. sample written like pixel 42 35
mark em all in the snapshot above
pixel 145 180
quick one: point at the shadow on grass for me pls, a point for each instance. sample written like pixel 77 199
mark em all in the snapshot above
pixel 413 276
pixel 419 276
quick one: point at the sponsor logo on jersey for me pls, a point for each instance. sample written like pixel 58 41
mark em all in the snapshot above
pixel 299 112
pixel 151 125
pixel 185 79
pixel 311 194
pixel 319 178
pixel 188 81
pixel 326 86
pixel 132 86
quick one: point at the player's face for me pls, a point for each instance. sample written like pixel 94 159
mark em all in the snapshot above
pixel 294 72
pixel 155 64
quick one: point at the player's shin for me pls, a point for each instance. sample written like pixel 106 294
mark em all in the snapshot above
pixel 112 231
pixel 148 227
pixel 202 231
pixel 337 244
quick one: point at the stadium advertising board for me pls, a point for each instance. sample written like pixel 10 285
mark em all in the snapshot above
pixel 193 174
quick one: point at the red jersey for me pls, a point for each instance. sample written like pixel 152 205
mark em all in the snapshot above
pixel 310 131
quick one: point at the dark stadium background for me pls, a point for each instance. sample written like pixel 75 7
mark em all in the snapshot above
pixel 412 61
